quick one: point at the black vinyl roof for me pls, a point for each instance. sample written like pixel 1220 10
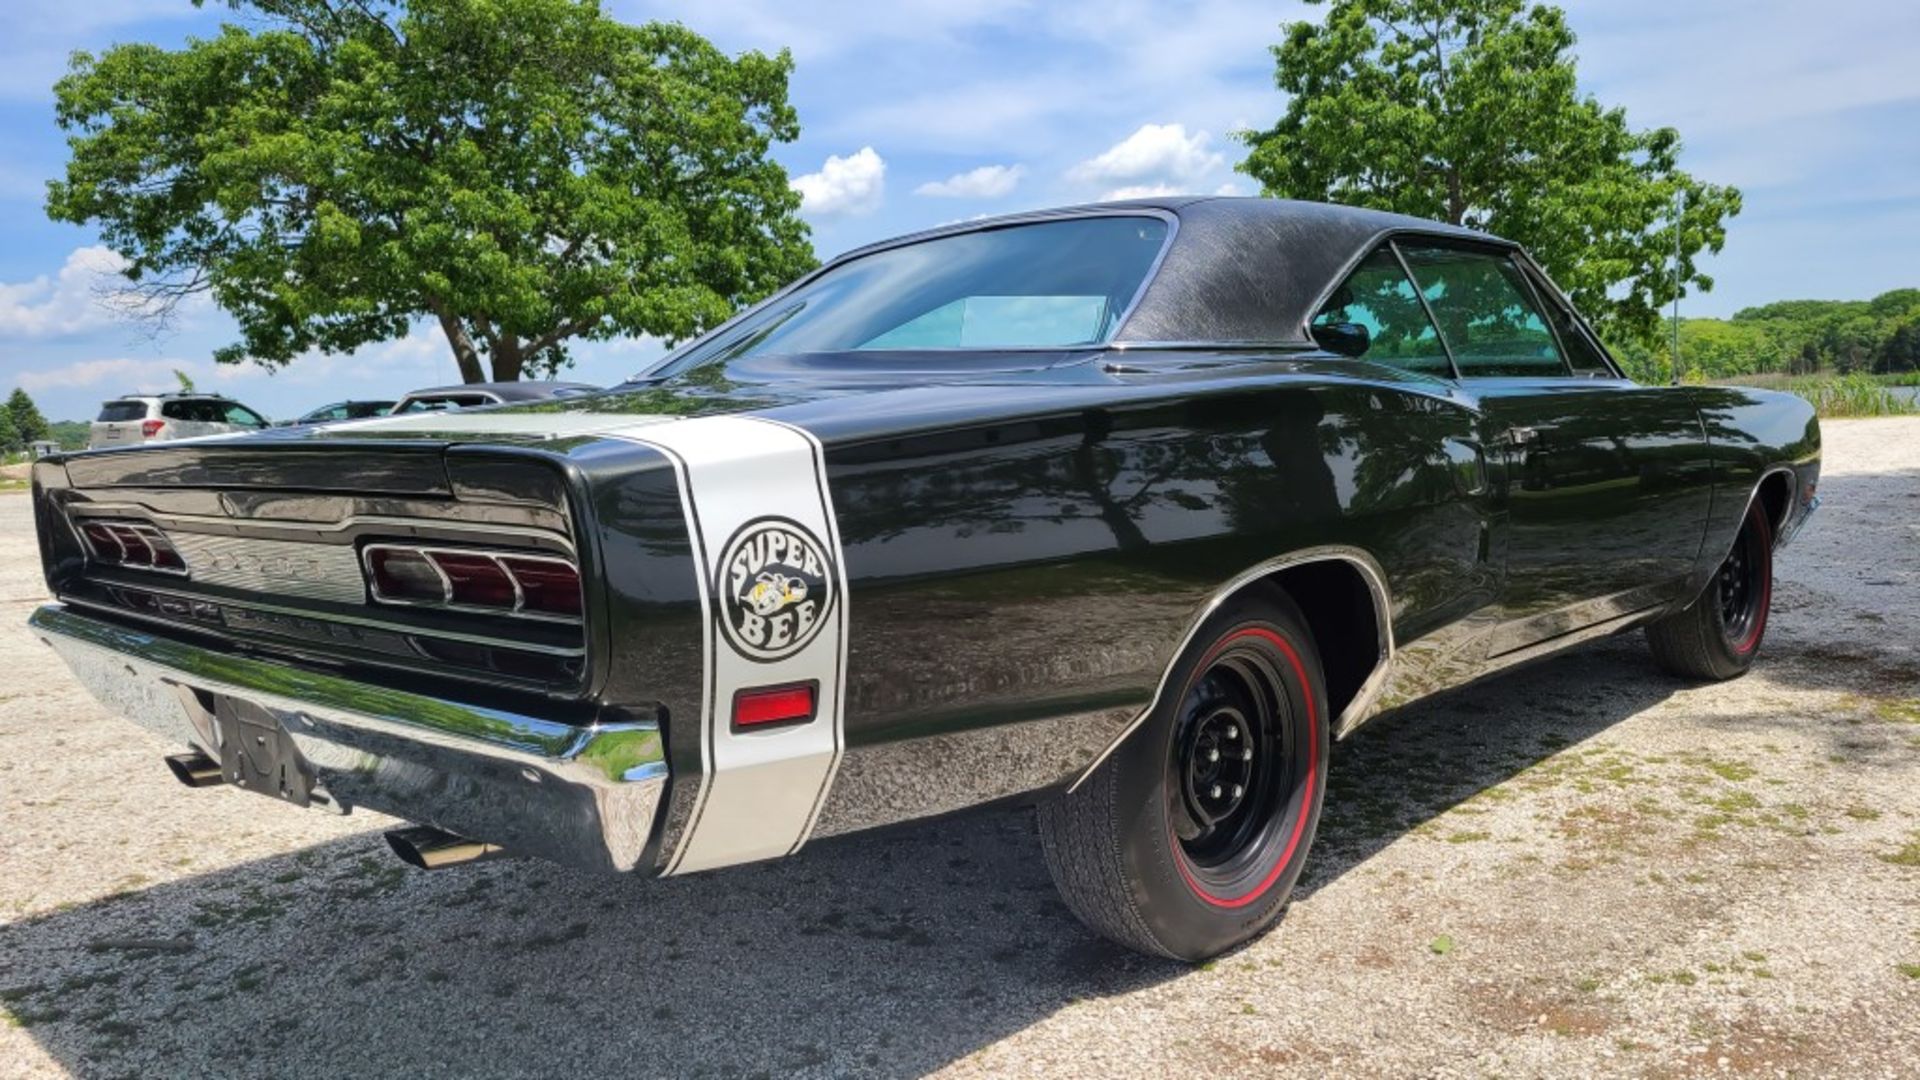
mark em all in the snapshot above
pixel 1237 270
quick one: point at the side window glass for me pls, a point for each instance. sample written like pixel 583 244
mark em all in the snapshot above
pixel 1486 312
pixel 1375 315
pixel 177 410
pixel 243 416
pixel 1583 355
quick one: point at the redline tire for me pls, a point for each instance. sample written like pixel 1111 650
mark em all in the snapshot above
pixel 1189 839
pixel 1718 635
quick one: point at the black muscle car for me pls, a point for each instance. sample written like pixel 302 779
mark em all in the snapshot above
pixel 1128 509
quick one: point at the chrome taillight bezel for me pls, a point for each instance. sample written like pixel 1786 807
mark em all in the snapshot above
pixel 498 556
pixel 150 535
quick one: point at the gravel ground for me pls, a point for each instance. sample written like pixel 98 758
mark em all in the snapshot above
pixel 1581 868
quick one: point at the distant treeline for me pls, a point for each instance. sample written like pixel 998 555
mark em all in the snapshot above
pixel 1792 337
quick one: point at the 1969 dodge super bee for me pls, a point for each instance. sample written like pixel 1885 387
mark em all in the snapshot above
pixel 1130 510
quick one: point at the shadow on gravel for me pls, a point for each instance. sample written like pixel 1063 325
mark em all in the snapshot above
pixel 1406 768
pixel 887 954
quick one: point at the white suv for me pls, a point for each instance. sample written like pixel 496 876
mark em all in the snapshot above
pixel 155 417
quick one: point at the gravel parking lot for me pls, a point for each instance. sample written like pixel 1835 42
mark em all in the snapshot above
pixel 1583 867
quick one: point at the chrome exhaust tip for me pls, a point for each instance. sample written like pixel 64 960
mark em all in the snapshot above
pixel 424 847
pixel 195 769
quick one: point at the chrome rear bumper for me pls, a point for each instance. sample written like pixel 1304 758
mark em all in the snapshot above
pixel 583 796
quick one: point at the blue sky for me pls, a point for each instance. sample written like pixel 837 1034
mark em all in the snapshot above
pixel 917 112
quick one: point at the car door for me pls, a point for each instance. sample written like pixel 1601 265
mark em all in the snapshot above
pixel 1602 485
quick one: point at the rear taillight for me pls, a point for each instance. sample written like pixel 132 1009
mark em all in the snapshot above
pixel 128 543
pixel 546 585
pixel 773 706
pixel 150 428
pixel 510 583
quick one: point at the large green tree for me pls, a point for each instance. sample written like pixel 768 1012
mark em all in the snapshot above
pixel 1468 111
pixel 526 173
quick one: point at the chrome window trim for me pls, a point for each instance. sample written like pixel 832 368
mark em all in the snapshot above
pixel 493 555
pixel 1356 711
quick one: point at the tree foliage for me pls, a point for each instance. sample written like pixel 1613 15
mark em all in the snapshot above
pixel 1468 111
pixel 1793 337
pixel 525 172
pixel 24 418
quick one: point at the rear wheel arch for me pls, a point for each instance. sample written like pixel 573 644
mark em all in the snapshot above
pixel 1355 640
pixel 1774 493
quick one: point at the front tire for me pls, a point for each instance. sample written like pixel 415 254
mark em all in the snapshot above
pixel 1718 635
pixel 1188 840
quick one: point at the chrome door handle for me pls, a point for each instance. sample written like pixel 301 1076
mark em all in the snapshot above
pixel 1520 435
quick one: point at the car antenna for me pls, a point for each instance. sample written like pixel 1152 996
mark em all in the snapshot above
pixel 1679 216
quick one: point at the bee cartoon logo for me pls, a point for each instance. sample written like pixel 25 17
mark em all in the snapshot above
pixel 775 586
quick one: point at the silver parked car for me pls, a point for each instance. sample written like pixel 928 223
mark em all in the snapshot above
pixel 141 418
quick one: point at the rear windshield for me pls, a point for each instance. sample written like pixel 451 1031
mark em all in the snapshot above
pixel 116 411
pixel 441 404
pixel 1051 284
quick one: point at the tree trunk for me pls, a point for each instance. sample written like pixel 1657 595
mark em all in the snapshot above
pixel 464 352
pixel 1456 202
pixel 508 359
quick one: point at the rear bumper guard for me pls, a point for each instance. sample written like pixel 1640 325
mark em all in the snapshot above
pixel 585 796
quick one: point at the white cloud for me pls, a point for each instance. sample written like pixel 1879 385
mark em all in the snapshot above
pixel 125 375
pixel 1142 191
pixel 68 302
pixel 1230 189
pixel 985 182
pixel 1154 153
pixel 854 184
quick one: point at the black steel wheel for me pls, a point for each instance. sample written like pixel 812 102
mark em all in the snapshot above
pixel 1719 634
pixel 1188 840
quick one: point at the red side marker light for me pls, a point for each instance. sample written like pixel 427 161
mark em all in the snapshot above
pixel 773 705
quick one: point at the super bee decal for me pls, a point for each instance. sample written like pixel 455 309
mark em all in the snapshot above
pixel 771 592
pixel 775 585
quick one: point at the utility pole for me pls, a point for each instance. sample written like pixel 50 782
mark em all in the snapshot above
pixel 1679 216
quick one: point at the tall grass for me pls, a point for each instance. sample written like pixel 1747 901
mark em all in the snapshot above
pixel 1852 395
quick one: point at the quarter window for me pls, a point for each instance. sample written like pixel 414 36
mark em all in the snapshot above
pixel 1379 302
pixel 1486 311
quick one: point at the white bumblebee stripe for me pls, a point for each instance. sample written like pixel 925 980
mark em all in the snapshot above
pixel 760 791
